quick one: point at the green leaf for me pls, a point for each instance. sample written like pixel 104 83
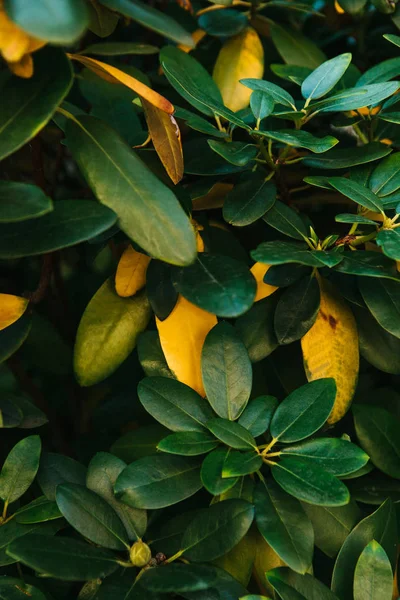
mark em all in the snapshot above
pixel 108 332
pixel 278 94
pixel 382 297
pixel 223 23
pixel 256 329
pixel 10 414
pixel 38 511
pixel 151 356
pixel 284 219
pixel 350 218
pixel 237 153
pixel 238 463
pixel 91 516
pixel 369 263
pixel 336 456
pixel 261 104
pixel 248 201
pixel 357 97
pixel 65 23
pixel 374 488
pixel 62 558
pixel 195 85
pixel 159 288
pixel 56 469
pixel 226 371
pixel 295 48
pixel 385 178
pixel 304 411
pixel 284 525
pixel 301 139
pixel 12 337
pixel 356 192
pixel 341 158
pixel 103 471
pixel 380 526
pixel 174 404
pixel 389 240
pixel 119 49
pixel 16 589
pixel 373 577
pixel 218 284
pixel 325 77
pixel 309 483
pixel 158 481
pixel 282 252
pixel 297 310
pixel 151 18
pixel 394 39
pixel 71 222
pixel 216 531
pixel 27 105
pixel 21 201
pixel 187 443
pixel 377 346
pixel 232 434
pixel 332 525
pixel 179 578
pixel 257 415
pixel 211 472
pixel 12 530
pixel 20 468
pixel 353 6
pixel 305 586
pixel 148 211
pixel 139 442
pixel 385 70
pixel 377 432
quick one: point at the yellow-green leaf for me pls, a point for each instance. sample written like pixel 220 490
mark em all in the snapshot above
pixel 263 289
pixel 182 336
pixel 11 309
pixel 108 332
pixel 166 138
pixel 131 272
pixel 265 559
pixel 114 75
pixel 241 57
pixel 330 348
pixel 240 560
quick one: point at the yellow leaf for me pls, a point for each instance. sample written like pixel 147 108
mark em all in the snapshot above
pixel 11 309
pixel 242 56
pixel 182 336
pixel 265 559
pixel 239 561
pixel 214 198
pixel 16 46
pixel 114 75
pixel 166 137
pixel 263 289
pixel 338 8
pixel 197 36
pixel 131 272
pixel 330 348
pixel 199 240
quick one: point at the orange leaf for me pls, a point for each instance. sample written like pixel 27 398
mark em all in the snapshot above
pixel 182 336
pixel 11 309
pixel 166 139
pixel 263 289
pixel 114 75
pixel 131 272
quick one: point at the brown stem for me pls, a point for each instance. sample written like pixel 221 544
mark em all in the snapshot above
pixel 45 278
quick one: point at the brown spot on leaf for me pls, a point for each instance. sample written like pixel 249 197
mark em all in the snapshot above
pixel 323 315
pixel 332 322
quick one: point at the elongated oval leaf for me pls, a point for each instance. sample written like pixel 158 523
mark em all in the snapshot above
pixel 249 201
pixel 382 297
pixel 175 405
pixel 295 48
pixel 336 456
pixel 301 139
pixel 257 415
pixel 226 371
pixel 182 335
pixel 131 272
pixel 283 523
pixel 26 105
pixel 218 284
pixel 325 77
pixel 340 158
pixel 71 222
pixel 232 434
pixel 297 310
pixel 21 201
pixel 11 309
pixel 38 511
pixel 63 558
pixel 385 179
pixel 188 443
pixel 179 578
pixel 20 468
pixel 89 514
pixel 214 532
pixel 305 585
pixel 330 349
pixel 148 211
pixel 158 481
pixel 211 472
pixel 309 483
pixel 304 411
pixel 56 469
pixel 360 194
pixel 373 578
pixel 107 333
